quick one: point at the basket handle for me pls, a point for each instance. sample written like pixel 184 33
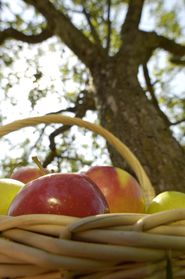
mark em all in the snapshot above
pixel 122 149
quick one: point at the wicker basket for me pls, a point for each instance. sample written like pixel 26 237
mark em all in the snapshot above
pixel 108 246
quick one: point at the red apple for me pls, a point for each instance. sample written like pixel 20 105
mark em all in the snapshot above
pixel 26 174
pixel 120 189
pixel 66 194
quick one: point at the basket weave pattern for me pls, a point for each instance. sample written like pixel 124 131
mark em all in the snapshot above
pixel 109 246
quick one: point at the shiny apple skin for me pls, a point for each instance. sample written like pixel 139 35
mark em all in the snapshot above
pixel 26 174
pixel 64 194
pixel 120 189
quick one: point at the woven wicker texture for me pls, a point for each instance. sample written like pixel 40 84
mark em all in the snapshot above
pixel 109 246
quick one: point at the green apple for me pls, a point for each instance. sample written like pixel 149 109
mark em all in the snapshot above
pixel 167 200
pixel 8 189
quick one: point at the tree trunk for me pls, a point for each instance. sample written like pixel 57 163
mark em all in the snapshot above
pixel 125 111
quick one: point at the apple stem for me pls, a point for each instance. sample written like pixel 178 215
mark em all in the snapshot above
pixel 38 163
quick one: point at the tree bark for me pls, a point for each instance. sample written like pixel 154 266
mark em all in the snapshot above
pixel 125 111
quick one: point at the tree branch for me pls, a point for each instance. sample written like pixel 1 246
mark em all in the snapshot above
pixel 11 33
pixel 148 42
pixel 84 102
pixel 176 60
pixel 67 32
pixel 108 26
pixel 171 46
pixel 150 89
pixel 133 16
pixel 153 41
pixel 177 122
pixel 93 30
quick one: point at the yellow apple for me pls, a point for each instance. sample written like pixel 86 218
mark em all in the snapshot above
pixel 8 189
pixel 167 200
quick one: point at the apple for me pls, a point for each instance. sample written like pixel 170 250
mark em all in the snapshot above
pixel 26 174
pixel 8 189
pixel 120 189
pixel 68 194
pixel 167 200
